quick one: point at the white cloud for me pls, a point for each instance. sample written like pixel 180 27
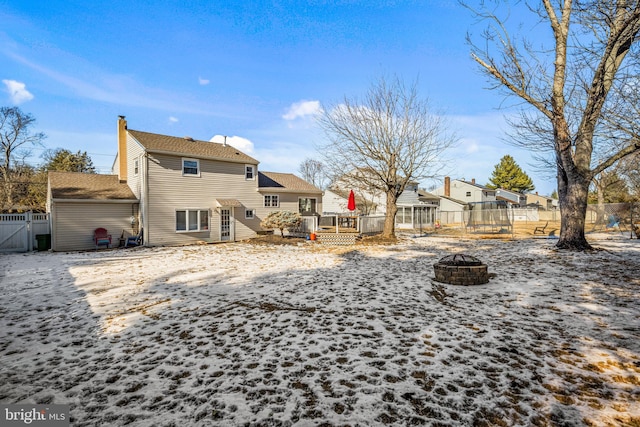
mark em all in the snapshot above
pixel 173 119
pixel 470 146
pixel 202 81
pixel 301 109
pixel 238 142
pixel 17 91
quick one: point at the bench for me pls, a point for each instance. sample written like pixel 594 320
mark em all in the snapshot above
pixel 540 229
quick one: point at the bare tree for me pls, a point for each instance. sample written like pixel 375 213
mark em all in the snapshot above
pixel 391 133
pixel 15 134
pixel 629 170
pixel 313 171
pixel 580 96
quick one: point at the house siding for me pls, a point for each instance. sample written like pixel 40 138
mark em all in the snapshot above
pixel 332 203
pixel 134 152
pixel 169 191
pixel 288 202
pixel 73 223
pixel 409 196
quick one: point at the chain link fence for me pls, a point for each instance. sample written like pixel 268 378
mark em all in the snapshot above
pixel 621 218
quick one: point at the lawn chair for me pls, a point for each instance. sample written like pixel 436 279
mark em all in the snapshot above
pixel 134 240
pixel 539 229
pixel 101 237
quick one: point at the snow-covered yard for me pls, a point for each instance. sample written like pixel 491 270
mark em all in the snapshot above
pixel 242 334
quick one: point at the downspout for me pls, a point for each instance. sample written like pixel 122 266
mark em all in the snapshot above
pixel 144 203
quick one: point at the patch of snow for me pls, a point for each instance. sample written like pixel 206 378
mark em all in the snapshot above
pixel 243 334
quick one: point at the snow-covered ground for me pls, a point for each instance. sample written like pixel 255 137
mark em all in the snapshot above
pixel 243 334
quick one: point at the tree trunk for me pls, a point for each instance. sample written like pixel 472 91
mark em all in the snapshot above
pixel 389 231
pixel 573 190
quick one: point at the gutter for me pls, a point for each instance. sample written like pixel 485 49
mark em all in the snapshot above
pixel 126 201
pixel 250 161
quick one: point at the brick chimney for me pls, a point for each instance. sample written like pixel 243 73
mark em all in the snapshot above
pixel 447 186
pixel 473 181
pixel 122 149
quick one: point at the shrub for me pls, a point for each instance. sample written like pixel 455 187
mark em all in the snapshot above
pixel 281 220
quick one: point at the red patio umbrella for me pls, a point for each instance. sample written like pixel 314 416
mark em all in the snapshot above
pixel 351 205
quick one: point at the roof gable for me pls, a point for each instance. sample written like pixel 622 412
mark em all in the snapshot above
pixel 482 187
pixel 88 186
pixel 275 181
pixel 459 202
pixel 156 143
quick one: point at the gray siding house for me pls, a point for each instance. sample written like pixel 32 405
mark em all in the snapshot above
pixel 416 208
pixel 187 191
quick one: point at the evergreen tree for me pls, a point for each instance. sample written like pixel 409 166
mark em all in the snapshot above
pixel 64 160
pixel 509 176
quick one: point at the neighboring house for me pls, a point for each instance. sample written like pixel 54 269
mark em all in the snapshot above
pixel 451 210
pixel 513 198
pixel 416 208
pixel 335 202
pixel 369 200
pixel 190 191
pixel 541 202
pixel 464 191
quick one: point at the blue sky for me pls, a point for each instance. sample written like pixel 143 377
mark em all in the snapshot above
pixel 252 70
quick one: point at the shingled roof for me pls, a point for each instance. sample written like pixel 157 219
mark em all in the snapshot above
pixel 88 186
pixel 155 143
pixel 284 182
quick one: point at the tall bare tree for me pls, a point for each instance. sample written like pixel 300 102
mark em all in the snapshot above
pixel 580 93
pixel 313 171
pixel 15 135
pixel 391 133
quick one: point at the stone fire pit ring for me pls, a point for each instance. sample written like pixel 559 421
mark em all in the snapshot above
pixel 461 269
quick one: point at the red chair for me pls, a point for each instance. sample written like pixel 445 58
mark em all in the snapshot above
pixel 101 237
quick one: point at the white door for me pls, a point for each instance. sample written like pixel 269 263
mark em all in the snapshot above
pixel 225 224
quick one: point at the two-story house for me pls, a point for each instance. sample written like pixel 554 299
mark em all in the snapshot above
pixel 465 191
pixel 177 190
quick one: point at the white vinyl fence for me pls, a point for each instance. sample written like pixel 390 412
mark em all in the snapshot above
pixel 18 231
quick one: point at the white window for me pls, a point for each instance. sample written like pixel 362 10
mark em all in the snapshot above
pixel 191 167
pixel 136 166
pixel 192 220
pixel 249 213
pixel 249 172
pixel 271 201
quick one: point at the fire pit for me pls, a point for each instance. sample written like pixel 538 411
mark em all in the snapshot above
pixel 461 269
